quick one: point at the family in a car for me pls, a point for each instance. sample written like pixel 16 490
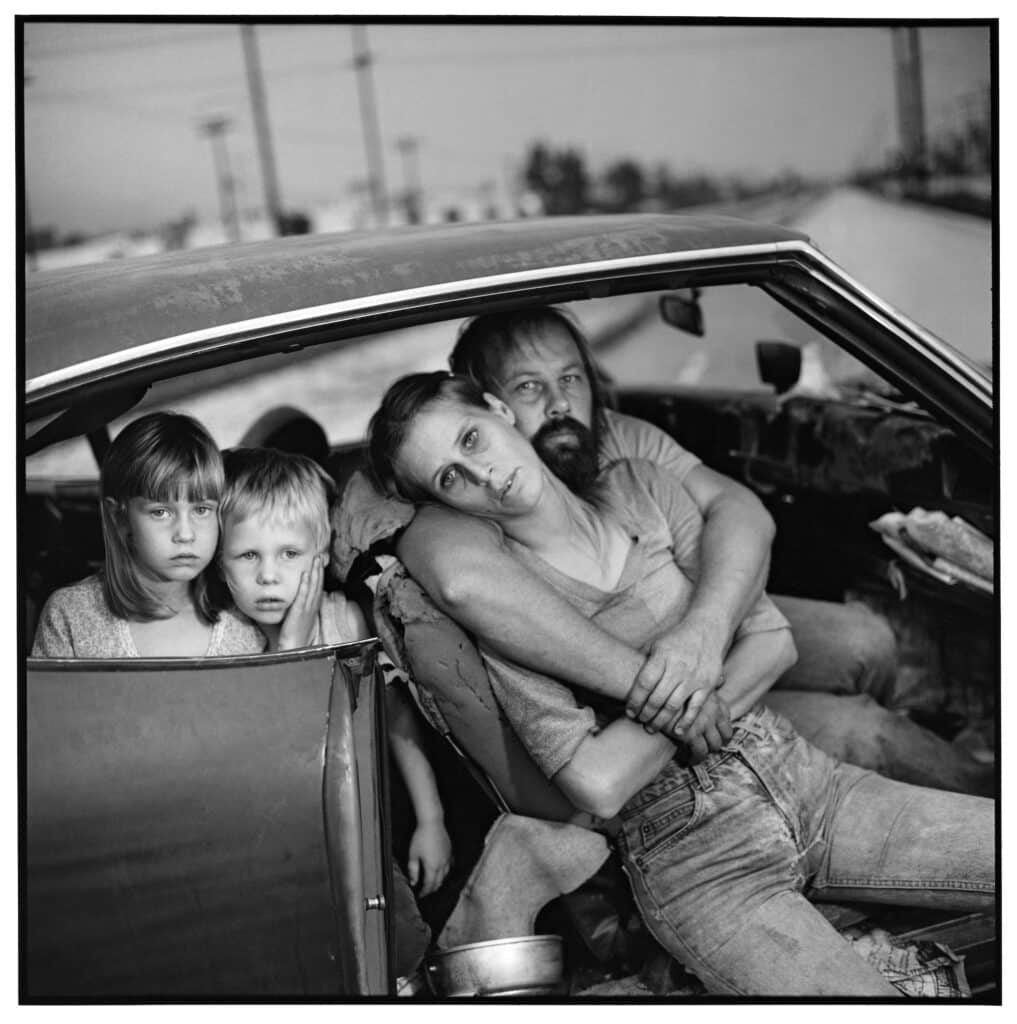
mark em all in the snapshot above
pixel 615 587
pixel 724 854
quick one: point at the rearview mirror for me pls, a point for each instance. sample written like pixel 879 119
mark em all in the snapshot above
pixel 681 309
pixel 780 364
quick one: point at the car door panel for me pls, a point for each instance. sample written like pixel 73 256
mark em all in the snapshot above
pixel 178 837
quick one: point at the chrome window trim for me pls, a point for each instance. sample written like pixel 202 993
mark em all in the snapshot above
pixel 944 355
pixel 812 261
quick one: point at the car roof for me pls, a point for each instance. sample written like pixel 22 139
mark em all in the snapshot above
pixel 85 313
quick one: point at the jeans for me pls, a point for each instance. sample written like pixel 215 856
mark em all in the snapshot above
pixel 845 649
pixel 838 693
pixel 725 857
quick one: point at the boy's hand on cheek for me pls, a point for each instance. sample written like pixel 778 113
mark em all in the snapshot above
pixel 301 619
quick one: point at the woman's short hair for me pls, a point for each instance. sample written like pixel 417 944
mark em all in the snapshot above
pixel 164 456
pixel 389 426
pixel 269 482
pixel 486 342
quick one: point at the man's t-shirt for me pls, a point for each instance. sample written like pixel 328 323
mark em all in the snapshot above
pixel 625 437
pixel 650 598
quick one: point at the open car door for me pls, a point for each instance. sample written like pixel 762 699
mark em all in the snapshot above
pixel 206 827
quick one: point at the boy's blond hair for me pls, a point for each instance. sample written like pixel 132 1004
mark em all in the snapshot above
pixel 268 482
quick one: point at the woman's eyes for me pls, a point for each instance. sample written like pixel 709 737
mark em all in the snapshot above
pixel 448 478
pixel 470 438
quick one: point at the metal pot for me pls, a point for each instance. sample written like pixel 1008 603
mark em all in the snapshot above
pixel 524 966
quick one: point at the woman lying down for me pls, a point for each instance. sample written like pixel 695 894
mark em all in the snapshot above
pixel 727 856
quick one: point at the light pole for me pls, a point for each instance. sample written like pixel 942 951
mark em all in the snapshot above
pixel 214 128
pixel 33 260
pixel 408 146
pixel 910 104
pixel 259 109
pixel 369 121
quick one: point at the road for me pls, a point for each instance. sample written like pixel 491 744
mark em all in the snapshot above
pixel 933 265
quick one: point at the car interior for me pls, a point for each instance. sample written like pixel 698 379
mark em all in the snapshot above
pixel 827 446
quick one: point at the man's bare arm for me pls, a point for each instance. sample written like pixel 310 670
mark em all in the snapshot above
pixel 733 566
pixel 753 665
pixel 738 534
pixel 465 567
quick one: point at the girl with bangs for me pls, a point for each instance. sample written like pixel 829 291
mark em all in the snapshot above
pixel 160 485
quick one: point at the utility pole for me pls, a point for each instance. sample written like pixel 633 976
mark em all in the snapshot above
pixel 215 128
pixel 408 146
pixel 259 109
pixel 910 104
pixel 369 120
pixel 33 260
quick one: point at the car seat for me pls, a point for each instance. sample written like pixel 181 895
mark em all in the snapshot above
pixel 290 430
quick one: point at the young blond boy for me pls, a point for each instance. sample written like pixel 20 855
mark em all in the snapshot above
pixel 275 539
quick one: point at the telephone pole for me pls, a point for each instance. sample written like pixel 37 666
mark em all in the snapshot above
pixel 369 120
pixel 30 250
pixel 910 103
pixel 259 109
pixel 214 128
pixel 408 146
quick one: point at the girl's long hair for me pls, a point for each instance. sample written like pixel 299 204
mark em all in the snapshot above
pixel 163 456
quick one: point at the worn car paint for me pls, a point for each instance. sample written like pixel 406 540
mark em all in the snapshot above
pixel 80 314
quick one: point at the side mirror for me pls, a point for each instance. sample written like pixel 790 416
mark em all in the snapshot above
pixel 681 309
pixel 780 364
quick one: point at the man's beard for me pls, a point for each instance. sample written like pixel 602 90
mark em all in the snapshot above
pixel 569 449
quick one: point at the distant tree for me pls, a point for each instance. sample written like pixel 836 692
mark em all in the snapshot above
pixel 41 238
pixel 293 223
pixel 559 178
pixel 624 186
pixel 694 190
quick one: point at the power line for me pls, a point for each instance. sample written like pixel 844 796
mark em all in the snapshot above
pixel 194 84
pixel 75 52
pixel 112 106
pixel 661 47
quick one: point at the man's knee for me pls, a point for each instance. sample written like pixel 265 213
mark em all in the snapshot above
pixel 872 648
pixel 842 649
pixel 852 728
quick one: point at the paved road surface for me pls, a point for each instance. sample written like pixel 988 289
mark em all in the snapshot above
pixel 933 265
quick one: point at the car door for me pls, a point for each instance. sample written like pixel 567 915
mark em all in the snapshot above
pixel 205 828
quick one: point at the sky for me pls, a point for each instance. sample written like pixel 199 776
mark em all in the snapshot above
pixel 112 110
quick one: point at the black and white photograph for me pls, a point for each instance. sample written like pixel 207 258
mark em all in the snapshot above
pixel 507 509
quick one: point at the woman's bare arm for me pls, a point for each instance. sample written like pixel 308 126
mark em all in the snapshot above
pixel 463 564
pixel 612 765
